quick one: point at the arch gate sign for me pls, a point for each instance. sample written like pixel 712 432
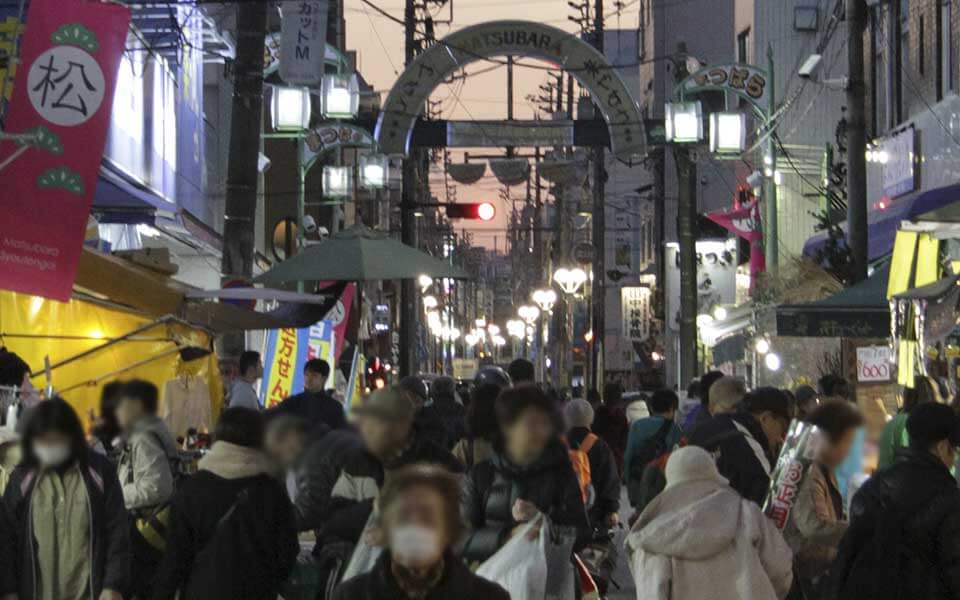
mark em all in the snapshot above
pixel 512 38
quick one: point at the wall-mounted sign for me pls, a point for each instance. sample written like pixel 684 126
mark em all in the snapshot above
pixel 481 134
pixel 333 135
pixel 635 312
pixel 716 277
pixel 746 81
pixel 873 364
pixel 898 163
pixel 512 38
pixel 303 40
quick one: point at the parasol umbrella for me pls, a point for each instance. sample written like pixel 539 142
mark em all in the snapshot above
pixel 359 254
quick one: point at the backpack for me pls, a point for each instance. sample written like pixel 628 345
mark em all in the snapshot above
pixel 652 448
pixel 580 458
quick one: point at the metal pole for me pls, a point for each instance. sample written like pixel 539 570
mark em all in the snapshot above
pixel 408 293
pixel 772 225
pixel 598 322
pixel 856 140
pixel 686 223
pixel 301 199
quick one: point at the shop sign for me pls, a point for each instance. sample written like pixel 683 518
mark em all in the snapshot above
pixel 465 368
pixel 287 351
pixel 716 278
pixel 873 364
pixel 482 134
pixel 62 94
pixel 898 168
pixel 450 55
pixel 746 81
pixel 333 135
pixel 635 312
pixel 303 41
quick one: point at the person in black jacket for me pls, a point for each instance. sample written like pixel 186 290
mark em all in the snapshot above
pixel 445 408
pixel 530 473
pixel 314 405
pixel 62 486
pixel 604 476
pixel 421 523
pixel 232 534
pixel 904 537
pixel 748 441
pixel 8 578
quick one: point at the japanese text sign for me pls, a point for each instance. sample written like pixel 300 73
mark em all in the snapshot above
pixel 799 451
pixel 303 41
pixel 62 97
pixel 874 364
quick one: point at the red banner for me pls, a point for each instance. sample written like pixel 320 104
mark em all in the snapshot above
pixel 62 97
pixel 745 222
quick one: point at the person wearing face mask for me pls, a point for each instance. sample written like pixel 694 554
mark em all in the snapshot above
pixel 748 441
pixel 421 522
pixel 72 535
pixel 904 536
pixel 530 473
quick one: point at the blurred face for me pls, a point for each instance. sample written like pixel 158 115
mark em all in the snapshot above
pixel 947 454
pixel 529 435
pixel 285 448
pixel 834 453
pixel 129 411
pixel 383 437
pixel 775 428
pixel 416 528
pixel 52 449
pixel 313 382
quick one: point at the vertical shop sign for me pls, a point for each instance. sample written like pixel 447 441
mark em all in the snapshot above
pixel 303 41
pixel 283 372
pixel 62 97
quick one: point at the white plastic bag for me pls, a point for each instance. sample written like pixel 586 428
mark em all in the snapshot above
pixel 364 555
pixel 520 567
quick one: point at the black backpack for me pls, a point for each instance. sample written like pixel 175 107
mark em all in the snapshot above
pixel 652 448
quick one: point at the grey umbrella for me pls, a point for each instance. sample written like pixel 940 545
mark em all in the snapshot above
pixel 359 254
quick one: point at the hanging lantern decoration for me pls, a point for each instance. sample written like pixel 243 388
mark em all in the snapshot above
pixel 511 171
pixel 290 108
pixel 341 96
pixel 374 171
pixel 467 173
pixel 337 182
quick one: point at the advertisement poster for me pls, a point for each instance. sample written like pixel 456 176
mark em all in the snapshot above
pixel 303 41
pixel 798 453
pixel 62 96
pixel 287 351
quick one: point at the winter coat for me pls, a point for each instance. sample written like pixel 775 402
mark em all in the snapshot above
pixel 146 464
pixel 744 455
pixel 231 534
pixel 359 480
pixel 641 431
pixel 492 488
pixel 904 537
pixel 603 475
pixel 8 577
pixel 452 416
pixel 697 416
pixel 700 540
pixel 472 451
pixel 314 408
pixel 610 423
pixel 893 437
pixel 110 532
pixel 816 526
pixel 9 455
pixel 456 583
pixel 316 473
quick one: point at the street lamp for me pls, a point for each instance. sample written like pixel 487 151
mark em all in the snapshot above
pixel 374 171
pixel 337 181
pixel 425 281
pixel 516 328
pixel 545 299
pixel 528 313
pixel 341 96
pixel 570 280
pixel 290 108
pixel 493 329
pixel 728 133
pixel 430 302
pixel 684 122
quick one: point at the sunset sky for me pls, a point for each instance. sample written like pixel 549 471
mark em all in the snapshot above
pixel 379 42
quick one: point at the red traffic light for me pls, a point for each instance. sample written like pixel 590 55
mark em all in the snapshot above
pixel 484 211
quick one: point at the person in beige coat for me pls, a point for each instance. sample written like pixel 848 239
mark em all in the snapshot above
pixel 699 539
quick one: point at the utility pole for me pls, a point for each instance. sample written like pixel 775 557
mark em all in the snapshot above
pixel 856 139
pixel 771 232
pixel 240 207
pixel 599 234
pixel 686 233
pixel 409 305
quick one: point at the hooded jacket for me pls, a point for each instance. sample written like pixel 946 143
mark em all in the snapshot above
pixel 701 540
pixel 456 583
pixel 232 533
pixel 8 538
pixel 109 527
pixel 146 464
pixel 743 452
pixel 492 488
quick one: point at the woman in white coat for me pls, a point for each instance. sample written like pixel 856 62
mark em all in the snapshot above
pixel 699 539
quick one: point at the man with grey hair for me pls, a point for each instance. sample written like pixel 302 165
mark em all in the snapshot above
pixel 604 504
pixel 726 394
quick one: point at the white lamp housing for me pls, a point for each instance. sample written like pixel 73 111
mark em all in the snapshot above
pixel 374 171
pixel 684 122
pixel 337 182
pixel 341 96
pixel 290 108
pixel 728 133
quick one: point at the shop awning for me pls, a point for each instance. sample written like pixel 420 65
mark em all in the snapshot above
pixel 859 311
pixel 941 204
pixel 119 200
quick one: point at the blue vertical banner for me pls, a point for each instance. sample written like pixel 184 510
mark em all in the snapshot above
pixel 286 352
pixel 190 128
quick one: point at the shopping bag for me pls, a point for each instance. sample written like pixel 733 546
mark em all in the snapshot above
pixel 557 543
pixel 364 555
pixel 520 566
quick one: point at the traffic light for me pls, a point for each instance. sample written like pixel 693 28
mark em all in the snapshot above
pixel 483 211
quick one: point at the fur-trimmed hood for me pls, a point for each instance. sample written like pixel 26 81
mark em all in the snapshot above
pixel 231 461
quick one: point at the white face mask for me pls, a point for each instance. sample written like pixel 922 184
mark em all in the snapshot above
pixel 51 455
pixel 415 545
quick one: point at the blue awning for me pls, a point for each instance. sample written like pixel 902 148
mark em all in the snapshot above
pixel 882 225
pixel 118 200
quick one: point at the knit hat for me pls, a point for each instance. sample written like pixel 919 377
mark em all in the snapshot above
pixel 692 463
pixel 579 413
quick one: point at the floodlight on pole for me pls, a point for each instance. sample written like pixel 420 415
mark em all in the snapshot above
pixel 374 171
pixel 341 96
pixel 290 108
pixel 684 122
pixel 570 280
pixel 728 133
pixel 545 299
pixel 337 181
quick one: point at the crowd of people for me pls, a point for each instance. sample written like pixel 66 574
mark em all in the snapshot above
pixel 405 497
